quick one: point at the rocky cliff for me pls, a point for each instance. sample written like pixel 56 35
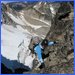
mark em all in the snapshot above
pixel 61 56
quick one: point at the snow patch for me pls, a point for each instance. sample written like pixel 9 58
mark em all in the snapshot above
pixel 15 19
pixel 52 10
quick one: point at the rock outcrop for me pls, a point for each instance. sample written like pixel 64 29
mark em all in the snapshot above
pixel 62 31
pixel 60 57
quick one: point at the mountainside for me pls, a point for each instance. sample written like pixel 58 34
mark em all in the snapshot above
pixel 51 20
pixel 61 56
pixel 28 16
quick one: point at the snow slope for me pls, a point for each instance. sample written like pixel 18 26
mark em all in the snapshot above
pixel 11 38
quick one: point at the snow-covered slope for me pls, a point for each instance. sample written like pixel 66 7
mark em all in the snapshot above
pixel 11 38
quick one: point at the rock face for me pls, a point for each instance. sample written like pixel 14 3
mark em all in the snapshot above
pixel 26 16
pixel 5 18
pixel 61 31
pixel 61 55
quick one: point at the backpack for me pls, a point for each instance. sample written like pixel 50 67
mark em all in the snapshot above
pixel 33 43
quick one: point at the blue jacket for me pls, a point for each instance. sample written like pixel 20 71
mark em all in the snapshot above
pixel 38 50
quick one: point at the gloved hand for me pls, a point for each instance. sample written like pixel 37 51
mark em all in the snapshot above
pixel 55 42
pixel 42 65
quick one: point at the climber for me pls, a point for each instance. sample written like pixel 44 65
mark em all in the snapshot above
pixel 39 48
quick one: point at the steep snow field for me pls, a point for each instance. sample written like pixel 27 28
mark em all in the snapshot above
pixel 11 39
